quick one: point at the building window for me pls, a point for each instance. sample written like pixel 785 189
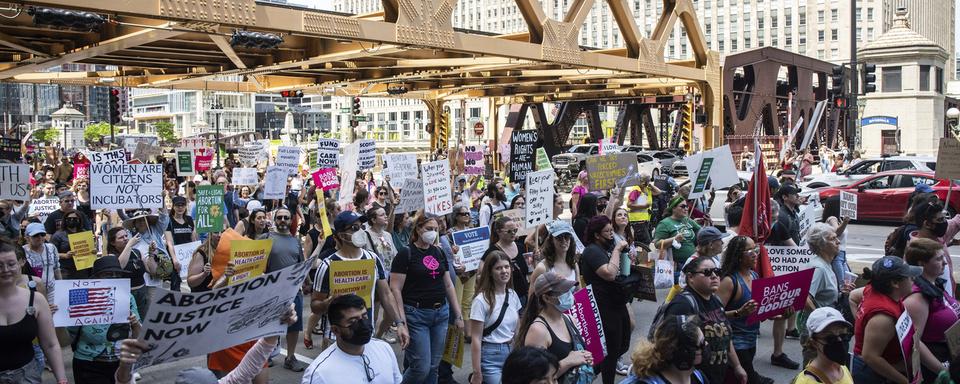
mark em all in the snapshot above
pixel 720 45
pixel 869 14
pixel 802 17
pixel 834 53
pixel 746 42
pixel 939 80
pixel 760 20
pixel 820 54
pixel 820 18
pixel 834 34
pixel 773 21
pixel 820 35
pixel 834 15
pixel 788 40
pixel 787 18
pixel 890 80
pixel 870 33
pixel 733 45
pixel 924 78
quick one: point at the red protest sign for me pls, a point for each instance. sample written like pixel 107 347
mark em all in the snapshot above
pixel 775 294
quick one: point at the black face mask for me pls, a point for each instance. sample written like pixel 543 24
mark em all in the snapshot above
pixel 940 228
pixel 836 349
pixel 360 333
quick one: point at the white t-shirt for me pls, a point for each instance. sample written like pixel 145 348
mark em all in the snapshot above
pixel 44 264
pixel 336 366
pixel 487 210
pixel 480 311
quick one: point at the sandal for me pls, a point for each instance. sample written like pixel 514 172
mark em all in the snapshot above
pixel 307 342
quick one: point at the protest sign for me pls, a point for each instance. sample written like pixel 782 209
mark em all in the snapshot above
pixel 948 159
pixel 848 205
pixel 909 340
pixel 263 150
pixel 146 151
pixel 185 162
pixel 288 158
pixel 522 151
pixel 353 276
pixel 400 166
pixel 608 146
pixel 775 294
pixel 348 180
pixel 183 325
pixel 81 170
pixel 83 248
pixel 326 179
pixel 473 160
pixel 518 216
pixel 126 186
pixel 328 153
pixel 543 161
pixel 539 198
pixel 437 197
pixel 806 218
pixel 203 158
pixel 586 317
pixel 473 243
pixel 192 142
pixel 91 302
pixel 184 254
pixel 788 259
pixel 43 207
pixel 714 165
pixel 245 176
pixel 953 340
pixel 275 182
pixel 249 155
pixel 611 171
pixel 368 154
pixel 116 156
pixel 322 212
pixel 411 196
pixel 15 182
pixel 249 258
pixel 209 208
pixel 9 149
pixel 453 349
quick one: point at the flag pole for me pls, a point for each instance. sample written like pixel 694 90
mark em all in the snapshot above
pixel 756 184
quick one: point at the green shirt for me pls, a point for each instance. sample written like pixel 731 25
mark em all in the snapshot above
pixel 669 227
pixel 101 342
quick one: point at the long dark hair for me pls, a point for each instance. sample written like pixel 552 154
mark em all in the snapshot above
pixel 595 227
pixel 550 251
pixel 495 229
pixel 533 309
pixel 485 283
pixel 732 257
pixel 250 227
pixel 111 237
pixel 587 206
pixel 628 235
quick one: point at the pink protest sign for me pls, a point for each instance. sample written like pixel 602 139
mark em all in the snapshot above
pixel 81 170
pixel 204 158
pixel 586 317
pixel 326 179
pixel 907 334
pixel 775 294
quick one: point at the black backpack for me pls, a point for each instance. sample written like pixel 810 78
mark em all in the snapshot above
pixel 686 295
pixel 897 240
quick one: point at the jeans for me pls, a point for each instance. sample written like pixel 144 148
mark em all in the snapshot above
pixel 863 374
pixel 94 372
pixel 491 361
pixel 29 373
pixel 428 335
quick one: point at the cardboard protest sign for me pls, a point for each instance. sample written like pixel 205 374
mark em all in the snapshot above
pixel 473 243
pixel 522 151
pixel 249 258
pixel 519 216
pixel 43 207
pixel 275 182
pixel 208 216
pixel 775 294
pixel 328 153
pixel 788 259
pixel 185 162
pixel 184 253
pixel 437 197
pixel 948 159
pixel 348 173
pixel 611 171
pixel 400 166
pixel 453 348
pixel 586 317
pixel 9 149
pixel 909 340
pixel 543 161
pixel 326 179
pixel 539 198
pixel 202 158
pixel 249 155
pixel 953 340
pixel 126 186
pixel 183 325
pixel 83 248
pixel 288 158
pixel 715 165
pixel 145 151
pixel 473 160
pixel 91 302
pixel 368 154
pixel 15 182
pixel 116 156
pixel 848 205
pixel 411 196
pixel 353 276
pixel 245 176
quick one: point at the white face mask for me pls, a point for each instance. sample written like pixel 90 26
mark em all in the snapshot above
pixel 359 239
pixel 430 237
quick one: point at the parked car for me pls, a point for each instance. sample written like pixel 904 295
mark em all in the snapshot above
pixel 667 160
pixel 649 165
pixel 883 196
pixel 570 163
pixel 869 167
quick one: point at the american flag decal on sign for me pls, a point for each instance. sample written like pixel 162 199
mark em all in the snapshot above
pixel 92 302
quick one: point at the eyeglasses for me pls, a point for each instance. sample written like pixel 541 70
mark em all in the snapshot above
pixel 709 272
pixel 281 217
pixel 564 237
pixel 845 337
pixel 10 267
pixel 353 228
pixel 510 231
pixel 381 193
pixel 463 213
pixel 367 369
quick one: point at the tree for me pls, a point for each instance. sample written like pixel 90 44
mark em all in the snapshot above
pixel 94 132
pixel 165 131
pixel 48 135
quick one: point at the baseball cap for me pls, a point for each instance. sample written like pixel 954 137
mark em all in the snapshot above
pixel 34 229
pixel 559 227
pixel 822 317
pixel 196 375
pixel 709 234
pixel 179 200
pixel 108 263
pixel 889 268
pixel 552 284
pixel 65 194
pixel 788 189
pixel 923 188
pixel 254 205
pixel 772 182
pixel 346 219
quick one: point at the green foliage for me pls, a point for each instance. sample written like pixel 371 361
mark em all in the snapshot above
pixel 165 131
pixel 94 132
pixel 48 135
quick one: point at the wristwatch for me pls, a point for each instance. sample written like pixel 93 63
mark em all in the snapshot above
pixel 397 323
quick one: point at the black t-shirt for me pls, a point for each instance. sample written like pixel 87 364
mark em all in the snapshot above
pixel 606 292
pixel 787 227
pixel 182 233
pixel 54 222
pixel 60 240
pixel 519 270
pixel 134 269
pixel 716 330
pixel 424 269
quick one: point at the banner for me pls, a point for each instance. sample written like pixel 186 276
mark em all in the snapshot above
pixel 288 158
pixel 208 215
pixel 326 179
pixel 473 243
pixel 328 153
pixel 775 294
pixel 249 258
pixel 353 276
pixel 192 142
pixel 437 197
pixel 245 176
pixel 116 156
pixel 203 158
pixel 543 161
pixel 183 325
pixel 788 259
pixel 473 160
pixel 611 171
pixel 539 198
pixel 367 154
pixel 126 186
pixel 909 339
pixel 91 302
pixel 411 196
pixel 453 348
pixel 586 317
pixel 15 182
pixel 84 249
pixel 848 205
pixel 275 183
pixel 400 166
pixel 43 207
pixel 185 255
pixel 185 162
pixel 522 150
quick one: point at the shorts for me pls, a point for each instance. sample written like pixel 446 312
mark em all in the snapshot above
pixel 29 373
pixel 298 307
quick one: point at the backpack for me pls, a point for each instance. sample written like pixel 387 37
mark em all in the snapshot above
pixel 897 240
pixel 687 295
pixel 657 379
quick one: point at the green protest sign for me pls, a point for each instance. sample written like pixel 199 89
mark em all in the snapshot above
pixel 703 175
pixel 185 159
pixel 209 215
pixel 543 161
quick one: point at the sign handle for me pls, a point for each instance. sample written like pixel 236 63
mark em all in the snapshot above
pixel 946 206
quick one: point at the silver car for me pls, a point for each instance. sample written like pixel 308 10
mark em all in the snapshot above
pixel 868 167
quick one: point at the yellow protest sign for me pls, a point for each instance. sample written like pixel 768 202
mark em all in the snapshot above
pixel 353 276
pixel 322 211
pixel 81 243
pixel 249 258
pixel 453 351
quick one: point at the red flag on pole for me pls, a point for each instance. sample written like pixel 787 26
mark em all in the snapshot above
pixel 755 222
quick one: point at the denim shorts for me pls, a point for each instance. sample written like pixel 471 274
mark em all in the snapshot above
pixel 493 355
pixel 30 373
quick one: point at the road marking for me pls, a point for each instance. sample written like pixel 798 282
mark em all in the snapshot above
pixel 302 358
pixel 865 248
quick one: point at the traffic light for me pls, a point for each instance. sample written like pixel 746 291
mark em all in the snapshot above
pixel 869 78
pixel 296 93
pixel 686 133
pixel 115 107
pixel 356 106
pixel 840 102
pixel 836 80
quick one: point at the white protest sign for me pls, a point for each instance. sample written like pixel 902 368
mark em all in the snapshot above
pixel 275 183
pixel 91 302
pixel 186 159
pixel 411 196
pixel 348 175
pixel 183 325
pixel 245 176
pixel 437 198
pixel 184 255
pixel 715 165
pixel 401 166
pixel 126 186
pixel 328 153
pixel 806 218
pixel 473 159
pixel 264 154
pixel 539 198
pixel 15 182
pixel 788 259
pixel 473 243
pixel 368 154
pixel 848 205
pixel 288 158
pixel 43 207
pixel 116 156
pixel 249 155
pixel 607 146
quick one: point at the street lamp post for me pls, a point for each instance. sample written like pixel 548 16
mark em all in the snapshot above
pixel 953 118
pixel 216 107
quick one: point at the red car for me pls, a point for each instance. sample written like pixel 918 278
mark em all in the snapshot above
pixel 883 196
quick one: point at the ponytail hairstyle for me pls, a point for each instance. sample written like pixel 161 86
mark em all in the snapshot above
pixel 733 256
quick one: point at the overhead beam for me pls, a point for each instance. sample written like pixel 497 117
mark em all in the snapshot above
pixel 227 49
pixel 20 45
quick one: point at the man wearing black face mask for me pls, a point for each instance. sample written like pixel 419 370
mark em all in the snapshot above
pixel 931 223
pixel 355 355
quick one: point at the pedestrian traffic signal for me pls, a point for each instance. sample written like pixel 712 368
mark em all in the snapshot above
pixel 836 80
pixel 869 78
pixel 115 109
pixel 840 102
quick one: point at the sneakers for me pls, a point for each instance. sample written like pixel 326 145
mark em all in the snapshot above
pixel 294 365
pixel 784 361
pixel 793 334
pixel 622 369
pixel 390 336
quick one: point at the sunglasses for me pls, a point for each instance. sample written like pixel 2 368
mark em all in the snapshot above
pixel 281 217
pixel 684 206
pixel 463 213
pixel 510 231
pixel 709 272
pixel 564 237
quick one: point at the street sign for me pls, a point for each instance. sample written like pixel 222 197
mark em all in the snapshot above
pixel 344 110
pixel 478 128
pixel 360 118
